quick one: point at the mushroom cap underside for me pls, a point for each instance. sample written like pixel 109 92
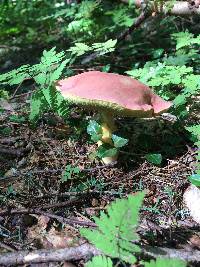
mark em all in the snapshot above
pixel 113 92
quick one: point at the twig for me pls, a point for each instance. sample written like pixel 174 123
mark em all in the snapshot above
pixel 53 171
pixel 68 194
pixel 7 247
pixel 87 251
pixel 55 255
pixel 138 21
pixel 16 90
pixel 9 140
pixel 53 216
pixel 189 256
pixel 68 203
pixel 14 152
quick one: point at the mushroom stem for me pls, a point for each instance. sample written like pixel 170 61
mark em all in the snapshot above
pixel 108 126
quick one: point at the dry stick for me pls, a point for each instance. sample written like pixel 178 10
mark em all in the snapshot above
pixel 53 216
pixel 7 247
pixel 54 171
pixel 55 255
pixel 14 152
pixel 87 251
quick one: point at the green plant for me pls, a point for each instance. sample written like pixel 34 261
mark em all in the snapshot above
pixel 195 131
pixel 4 94
pixel 95 131
pixel 156 159
pixel 161 262
pixel 102 261
pixel 116 236
pixel 69 172
pixel 45 73
pixel 171 72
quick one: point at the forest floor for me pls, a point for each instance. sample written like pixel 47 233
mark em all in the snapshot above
pixel 49 174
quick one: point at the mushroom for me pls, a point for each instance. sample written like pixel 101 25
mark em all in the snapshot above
pixel 111 94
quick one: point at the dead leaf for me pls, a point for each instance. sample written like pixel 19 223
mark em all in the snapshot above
pixel 51 238
pixel 195 241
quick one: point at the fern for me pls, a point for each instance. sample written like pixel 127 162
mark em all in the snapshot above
pixel 195 130
pixel 172 72
pixel 161 262
pixel 185 39
pixel 50 69
pixel 38 106
pixel 117 229
pixel 157 75
pixel 116 235
pixel 80 48
pixel 99 261
pixel 191 87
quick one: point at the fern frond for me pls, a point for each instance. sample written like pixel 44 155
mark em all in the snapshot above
pixel 38 105
pixel 185 39
pixel 15 76
pixel 116 232
pixel 162 262
pixel 195 130
pixel 99 261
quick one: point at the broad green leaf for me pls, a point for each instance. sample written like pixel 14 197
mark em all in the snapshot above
pixel 195 179
pixel 96 137
pixel 104 151
pixel 94 128
pixel 154 158
pixel 119 141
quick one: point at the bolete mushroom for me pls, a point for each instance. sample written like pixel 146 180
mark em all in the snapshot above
pixel 111 94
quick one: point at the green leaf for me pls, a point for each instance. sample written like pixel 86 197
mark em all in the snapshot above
pixel 16 118
pixel 96 137
pixel 119 141
pixel 117 229
pixel 40 78
pixel 105 151
pixel 99 261
pixel 195 179
pixel 154 158
pixel 94 128
pixel 79 49
pixel 165 262
pixel 37 106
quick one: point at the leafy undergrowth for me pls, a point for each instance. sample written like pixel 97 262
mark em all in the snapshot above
pixel 52 168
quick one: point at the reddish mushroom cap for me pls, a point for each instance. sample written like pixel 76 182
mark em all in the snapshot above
pixel 117 93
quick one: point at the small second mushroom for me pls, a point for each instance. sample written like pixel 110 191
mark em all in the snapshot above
pixel 111 95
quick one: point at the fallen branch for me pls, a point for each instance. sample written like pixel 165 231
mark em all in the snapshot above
pixel 186 255
pixel 179 8
pixel 58 255
pixel 86 252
